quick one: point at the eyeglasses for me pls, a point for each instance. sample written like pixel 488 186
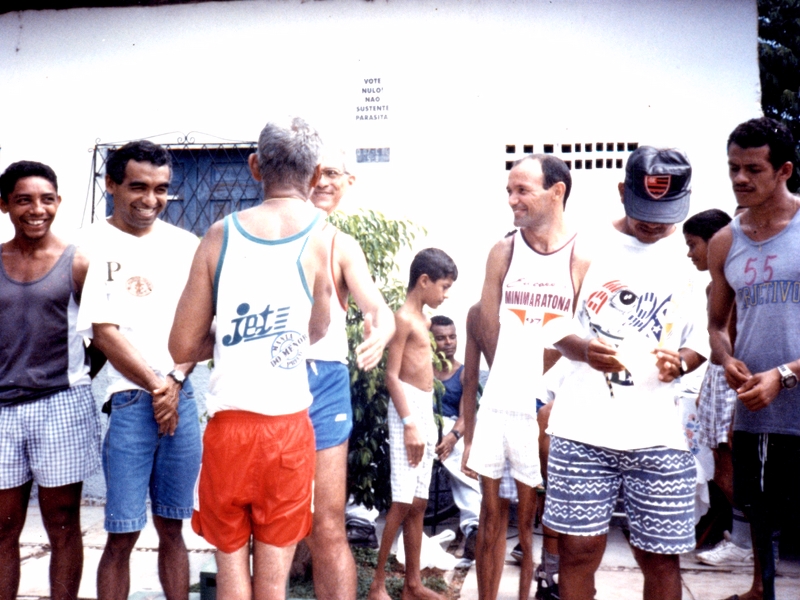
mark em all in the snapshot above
pixel 333 173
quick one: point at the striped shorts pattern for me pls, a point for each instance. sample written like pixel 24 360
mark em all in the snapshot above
pixel 658 485
pixel 54 440
pixel 715 409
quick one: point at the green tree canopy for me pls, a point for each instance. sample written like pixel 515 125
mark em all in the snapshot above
pixel 778 52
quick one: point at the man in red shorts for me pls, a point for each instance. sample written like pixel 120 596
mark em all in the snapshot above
pixel 259 272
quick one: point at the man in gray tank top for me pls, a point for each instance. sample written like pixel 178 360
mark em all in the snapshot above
pixel 49 424
pixel 754 263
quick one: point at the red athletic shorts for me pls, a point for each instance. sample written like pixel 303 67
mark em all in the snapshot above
pixel 255 479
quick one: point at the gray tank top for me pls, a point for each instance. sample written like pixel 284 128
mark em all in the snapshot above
pixel 766 278
pixel 35 323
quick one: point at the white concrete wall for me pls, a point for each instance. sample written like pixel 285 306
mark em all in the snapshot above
pixel 461 78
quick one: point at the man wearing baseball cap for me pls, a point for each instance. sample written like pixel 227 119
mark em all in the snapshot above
pixel 639 325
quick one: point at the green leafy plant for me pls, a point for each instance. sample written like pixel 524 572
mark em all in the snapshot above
pixel 368 458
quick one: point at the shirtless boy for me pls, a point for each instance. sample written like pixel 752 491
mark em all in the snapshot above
pixel 412 432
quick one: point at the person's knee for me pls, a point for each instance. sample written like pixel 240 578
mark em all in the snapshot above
pixel 120 545
pixel 328 530
pixel 580 550
pixel 170 531
pixel 656 565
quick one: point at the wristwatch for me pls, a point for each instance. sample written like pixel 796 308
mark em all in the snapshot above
pixel 788 378
pixel 455 434
pixel 178 376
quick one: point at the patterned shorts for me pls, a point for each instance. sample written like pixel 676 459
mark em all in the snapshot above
pixel 412 482
pixel 658 489
pixel 715 409
pixel 54 440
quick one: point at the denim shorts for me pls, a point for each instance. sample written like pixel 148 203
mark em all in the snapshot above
pixel 331 411
pixel 137 459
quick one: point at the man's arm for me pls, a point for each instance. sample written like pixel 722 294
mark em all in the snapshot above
pixel 720 302
pixel 131 364
pixel 368 299
pixel 597 353
pixel 191 337
pixel 450 438
pixel 469 395
pixel 414 443
pixel 491 295
pixel 125 358
pixel 80 266
pixel 756 391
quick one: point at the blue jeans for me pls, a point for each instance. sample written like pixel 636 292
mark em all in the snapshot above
pixel 137 459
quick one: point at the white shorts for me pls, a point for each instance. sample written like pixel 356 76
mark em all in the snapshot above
pixel 412 482
pixel 502 436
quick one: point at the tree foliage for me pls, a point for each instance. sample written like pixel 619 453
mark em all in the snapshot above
pixel 368 458
pixel 779 64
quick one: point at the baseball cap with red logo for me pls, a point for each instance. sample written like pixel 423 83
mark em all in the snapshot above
pixel 657 185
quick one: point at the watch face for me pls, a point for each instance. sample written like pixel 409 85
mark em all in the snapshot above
pixel 790 381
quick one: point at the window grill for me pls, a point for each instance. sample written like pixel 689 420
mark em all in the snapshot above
pixel 209 181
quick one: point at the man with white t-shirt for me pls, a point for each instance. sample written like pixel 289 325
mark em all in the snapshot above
pixel 138 266
pixel 639 327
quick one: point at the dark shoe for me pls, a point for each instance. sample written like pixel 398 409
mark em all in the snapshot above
pixel 361 533
pixel 470 543
pixel 545 591
pixel 516 554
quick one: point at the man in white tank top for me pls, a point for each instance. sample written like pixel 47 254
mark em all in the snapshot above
pixel 329 378
pixel 532 279
pixel 259 394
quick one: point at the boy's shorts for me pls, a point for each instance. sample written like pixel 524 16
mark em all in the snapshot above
pixel 256 479
pixel 583 485
pixel 412 482
pixel 136 458
pixel 715 407
pixel 502 437
pixel 54 440
pixel 331 411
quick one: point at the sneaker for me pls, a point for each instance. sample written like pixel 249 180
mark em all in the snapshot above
pixel 545 591
pixel 726 554
pixel 516 553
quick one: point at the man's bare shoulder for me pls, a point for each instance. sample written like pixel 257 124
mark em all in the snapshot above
pixel 720 244
pixel 503 246
pixel 346 246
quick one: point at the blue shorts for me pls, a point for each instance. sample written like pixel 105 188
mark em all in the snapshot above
pixel 54 440
pixel 331 411
pixel 137 459
pixel 658 491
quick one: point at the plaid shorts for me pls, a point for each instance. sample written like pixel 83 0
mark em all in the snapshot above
pixel 412 482
pixel 54 440
pixel 715 409
pixel 658 485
